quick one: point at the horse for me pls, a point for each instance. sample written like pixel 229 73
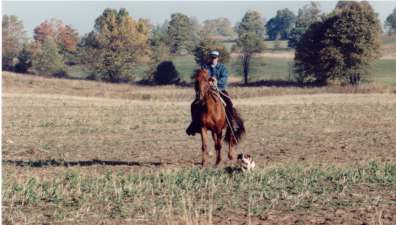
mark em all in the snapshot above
pixel 212 117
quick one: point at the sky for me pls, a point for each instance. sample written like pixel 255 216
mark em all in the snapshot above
pixel 82 14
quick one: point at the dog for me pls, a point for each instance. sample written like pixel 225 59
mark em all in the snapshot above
pixel 245 162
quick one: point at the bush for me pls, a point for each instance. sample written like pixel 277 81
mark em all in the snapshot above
pixel 24 61
pixel 60 74
pixel 166 73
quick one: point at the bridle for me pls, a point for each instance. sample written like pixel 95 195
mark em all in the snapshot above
pixel 215 93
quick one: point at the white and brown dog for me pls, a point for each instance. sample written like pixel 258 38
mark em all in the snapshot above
pixel 246 163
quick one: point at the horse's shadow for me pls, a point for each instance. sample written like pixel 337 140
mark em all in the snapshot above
pixel 58 163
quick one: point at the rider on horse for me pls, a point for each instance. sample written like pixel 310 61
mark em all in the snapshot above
pixel 218 72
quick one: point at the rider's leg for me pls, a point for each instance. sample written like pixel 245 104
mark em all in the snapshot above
pixel 194 126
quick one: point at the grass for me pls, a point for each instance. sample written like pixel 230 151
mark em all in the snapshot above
pixel 384 71
pixel 82 120
pixel 194 195
pixel 130 161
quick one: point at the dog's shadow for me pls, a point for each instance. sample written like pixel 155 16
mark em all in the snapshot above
pixel 231 170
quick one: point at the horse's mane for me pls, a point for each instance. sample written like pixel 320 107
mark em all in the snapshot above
pixel 198 72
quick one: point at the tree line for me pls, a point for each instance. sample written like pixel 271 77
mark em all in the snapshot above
pixel 337 46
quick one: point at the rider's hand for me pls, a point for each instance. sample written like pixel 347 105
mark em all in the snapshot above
pixel 213 81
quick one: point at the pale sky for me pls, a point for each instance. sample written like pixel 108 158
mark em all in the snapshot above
pixel 82 14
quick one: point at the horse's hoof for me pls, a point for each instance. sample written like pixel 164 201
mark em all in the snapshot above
pixel 231 157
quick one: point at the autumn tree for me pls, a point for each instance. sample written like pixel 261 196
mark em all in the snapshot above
pixel 307 15
pixel 250 38
pixel 67 38
pixel 341 47
pixel 120 44
pixel 281 25
pixel 14 38
pixel 64 35
pixel 44 30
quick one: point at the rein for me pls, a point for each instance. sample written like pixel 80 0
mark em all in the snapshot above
pixel 215 90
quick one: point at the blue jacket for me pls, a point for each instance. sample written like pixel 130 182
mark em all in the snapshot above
pixel 219 72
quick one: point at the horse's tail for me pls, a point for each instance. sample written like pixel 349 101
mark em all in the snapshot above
pixel 234 135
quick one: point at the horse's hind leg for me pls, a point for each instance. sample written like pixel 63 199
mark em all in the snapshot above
pixel 218 140
pixel 204 138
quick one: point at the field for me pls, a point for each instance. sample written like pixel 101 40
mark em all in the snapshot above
pixel 82 152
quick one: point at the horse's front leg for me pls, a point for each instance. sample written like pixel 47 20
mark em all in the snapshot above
pixel 204 138
pixel 218 139
pixel 231 152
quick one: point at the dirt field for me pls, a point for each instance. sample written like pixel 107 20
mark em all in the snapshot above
pixel 123 130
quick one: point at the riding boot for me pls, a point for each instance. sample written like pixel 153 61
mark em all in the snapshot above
pixel 194 126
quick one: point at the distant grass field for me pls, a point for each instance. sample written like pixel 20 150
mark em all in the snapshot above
pixel 84 152
pixel 384 71
pixel 262 68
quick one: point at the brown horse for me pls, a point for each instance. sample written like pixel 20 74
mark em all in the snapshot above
pixel 211 115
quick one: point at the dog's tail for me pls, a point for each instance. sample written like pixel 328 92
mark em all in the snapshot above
pixel 234 134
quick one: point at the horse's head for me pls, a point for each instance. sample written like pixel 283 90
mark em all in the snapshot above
pixel 201 82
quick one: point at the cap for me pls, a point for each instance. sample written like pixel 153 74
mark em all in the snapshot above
pixel 214 53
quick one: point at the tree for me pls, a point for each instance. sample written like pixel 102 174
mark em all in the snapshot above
pixel 120 42
pixel 86 48
pixel 14 37
pixel 67 38
pixel 64 35
pixel 205 46
pixel 309 14
pixel 159 51
pixel 44 30
pixel 341 47
pixel 390 22
pixel 47 60
pixel 250 38
pixel 281 24
pixel 180 33
pixel 218 27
